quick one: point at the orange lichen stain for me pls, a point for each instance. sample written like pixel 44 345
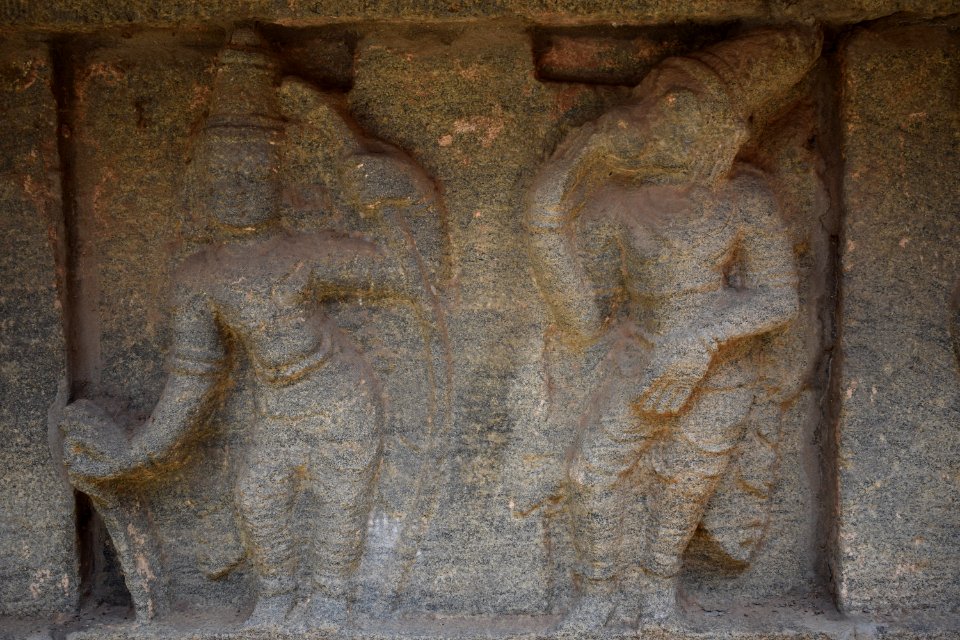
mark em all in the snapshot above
pixel 28 74
pixel 200 97
pixel 108 179
pixel 143 567
pixel 488 128
pixel 567 99
pixel 468 72
pixel 852 389
pixel 39 579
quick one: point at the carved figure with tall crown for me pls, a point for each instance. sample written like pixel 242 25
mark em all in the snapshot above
pixel 261 290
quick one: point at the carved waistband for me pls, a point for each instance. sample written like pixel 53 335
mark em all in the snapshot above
pixel 288 372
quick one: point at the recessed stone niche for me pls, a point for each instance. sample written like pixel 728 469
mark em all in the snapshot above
pixel 434 320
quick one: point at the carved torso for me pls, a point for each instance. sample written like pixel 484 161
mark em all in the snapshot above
pixel 269 295
pixel 674 252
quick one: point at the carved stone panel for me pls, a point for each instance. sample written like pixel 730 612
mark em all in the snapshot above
pixel 898 431
pixel 561 322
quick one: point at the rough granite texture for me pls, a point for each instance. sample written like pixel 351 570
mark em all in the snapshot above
pixel 135 104
pixel 88 15
pixel 394 320
pixel 898 519
pixel 38 564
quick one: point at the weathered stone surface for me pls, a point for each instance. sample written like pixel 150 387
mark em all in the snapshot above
pixel 91 14
pixel 135 103
pixel 898 520
pixel 38 559
pixel 478 131
pixel 493 319
pixel 445 499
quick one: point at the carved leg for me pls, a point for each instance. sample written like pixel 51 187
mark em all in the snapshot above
pixel 688 466
pixel 266 495
pixel 676 506
pixel 613 439
pixel 343 472
pixel 137 550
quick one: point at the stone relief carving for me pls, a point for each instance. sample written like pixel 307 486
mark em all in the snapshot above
pixel 663 262
pixel 305 489
pixel 479 320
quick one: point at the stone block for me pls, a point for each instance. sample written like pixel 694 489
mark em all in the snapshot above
pixel 38 552
pixel 899 391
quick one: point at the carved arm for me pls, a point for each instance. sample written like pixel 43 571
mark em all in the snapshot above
pixel 95 447
pixel 765 296
pixel 762 297
pixel 561 278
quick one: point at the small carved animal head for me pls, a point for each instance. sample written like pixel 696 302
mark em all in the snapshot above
pixel 676 137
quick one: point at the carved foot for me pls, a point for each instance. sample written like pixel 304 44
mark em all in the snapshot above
pixel 626 613
pixel 319 612
pixel 591 613
pixel 658 600
pixel 270 612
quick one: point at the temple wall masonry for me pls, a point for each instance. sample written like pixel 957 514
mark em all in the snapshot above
pixel 467 320
pixel 39 567
pixel 899 274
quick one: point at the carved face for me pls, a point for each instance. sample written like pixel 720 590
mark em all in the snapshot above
pixel 238 180
pixel 676 138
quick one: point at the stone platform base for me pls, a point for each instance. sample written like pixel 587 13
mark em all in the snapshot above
pixel 745 623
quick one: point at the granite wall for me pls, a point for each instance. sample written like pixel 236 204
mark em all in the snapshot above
pixel 179 464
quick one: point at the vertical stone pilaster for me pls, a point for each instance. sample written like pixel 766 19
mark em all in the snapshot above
pixel 898 438
pixel 38 556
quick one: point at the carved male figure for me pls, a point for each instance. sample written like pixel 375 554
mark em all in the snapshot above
pixel 702 268
pixel 261 291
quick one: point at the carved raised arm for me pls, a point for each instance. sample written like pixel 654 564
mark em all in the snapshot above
pixel 551 205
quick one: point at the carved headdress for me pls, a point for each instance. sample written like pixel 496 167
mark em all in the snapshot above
pixel 244 88
pixel 744 73
pixel 696 109
pixel 238 153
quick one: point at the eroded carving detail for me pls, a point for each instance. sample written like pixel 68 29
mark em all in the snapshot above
pixel 662 260
pixel 306 486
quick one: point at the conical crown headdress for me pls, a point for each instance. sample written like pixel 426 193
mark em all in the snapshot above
pixel 244 88
pixel 235 178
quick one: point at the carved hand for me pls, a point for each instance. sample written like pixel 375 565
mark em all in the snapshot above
pixel 679 364
pixel 94 446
